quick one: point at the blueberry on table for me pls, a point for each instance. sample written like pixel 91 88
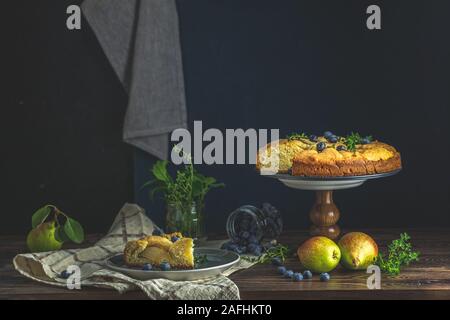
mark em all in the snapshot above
pixel 297 276
pixel 175 239
pixel 165 266
pixel 327 134
pixel 289 274
pixel 277 261
pixel 365 140
pixel 321 146
pixel 65 274
pixel 147 267
pixel 333 139
pixel 307 274
pixel 313 138
pixel 324 276
pixel 281 270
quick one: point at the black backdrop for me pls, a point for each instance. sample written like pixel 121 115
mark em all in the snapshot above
pixel 291 64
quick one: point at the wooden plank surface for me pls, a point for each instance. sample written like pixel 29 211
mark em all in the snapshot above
pixel 427 279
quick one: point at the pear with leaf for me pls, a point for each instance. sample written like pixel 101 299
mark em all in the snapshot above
pixel 51 228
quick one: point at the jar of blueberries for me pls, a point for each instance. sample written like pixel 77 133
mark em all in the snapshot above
pixel 248 226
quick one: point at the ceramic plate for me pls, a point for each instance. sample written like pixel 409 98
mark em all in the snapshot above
pixel 327 183
pixel 217 261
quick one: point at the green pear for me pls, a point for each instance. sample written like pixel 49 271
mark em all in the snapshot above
pixel 319 254
pixel 42 238
pixel 358 250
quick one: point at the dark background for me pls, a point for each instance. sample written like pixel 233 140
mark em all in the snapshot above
pixel 295 65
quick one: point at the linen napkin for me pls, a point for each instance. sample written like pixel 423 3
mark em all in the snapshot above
pixel 141 40
pixel 130 223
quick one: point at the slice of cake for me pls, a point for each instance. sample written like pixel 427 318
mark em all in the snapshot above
pixel 158 249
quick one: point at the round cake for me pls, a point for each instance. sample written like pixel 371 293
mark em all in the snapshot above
pixel 329 155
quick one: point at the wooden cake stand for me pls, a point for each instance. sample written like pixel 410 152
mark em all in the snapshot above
pixel 324 214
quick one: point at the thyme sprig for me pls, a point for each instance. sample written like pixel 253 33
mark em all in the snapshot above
pixel 400 253
pixel 279 251
pixel 297 136
pixel 354 139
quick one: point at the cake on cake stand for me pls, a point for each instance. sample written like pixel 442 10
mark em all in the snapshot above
pixel 324 214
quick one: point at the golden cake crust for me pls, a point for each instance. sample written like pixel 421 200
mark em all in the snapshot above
pixel 304 160
pixel 158 249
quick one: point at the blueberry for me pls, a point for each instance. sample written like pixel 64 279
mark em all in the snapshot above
pixel 257 251
pixel 253 240
pixel 252 246
pixel 244 234
pixel 289 274
pixel 242 249
pixel 65 274
pixel 233 247
pixel 321 146
pixel 147 267
pixel 277 261
pixel 175 239
pixel 327 134
pixel 365 140
pixel 165 266
pixel 157 231
pixel 341 148
pixel 297 276
pixel 307 274
pixel 313 138
pixel 281 269
pixel 324 276
pixel 333 139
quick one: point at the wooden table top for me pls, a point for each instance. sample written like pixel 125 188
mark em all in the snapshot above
pixel 427 279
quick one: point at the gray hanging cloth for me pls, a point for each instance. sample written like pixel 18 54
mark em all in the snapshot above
pixel 142 42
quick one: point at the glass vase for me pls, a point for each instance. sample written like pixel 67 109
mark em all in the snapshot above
pixel 183 219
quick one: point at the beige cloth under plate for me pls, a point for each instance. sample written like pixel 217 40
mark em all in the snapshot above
pixel 131 223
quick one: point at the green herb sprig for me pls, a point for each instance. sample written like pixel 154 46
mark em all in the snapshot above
pixel 279 251
pixel 297 136
pixel 400 253
pixel 354 139
pixel 200 259
pixel 187 187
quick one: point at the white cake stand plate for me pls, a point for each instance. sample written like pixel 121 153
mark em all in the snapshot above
pixel 324 214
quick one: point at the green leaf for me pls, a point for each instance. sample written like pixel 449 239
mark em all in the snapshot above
pixel 160 171
pixel 149 183
pixel 74 230
pixel 60 234
pixel 40 215
pixel 209 180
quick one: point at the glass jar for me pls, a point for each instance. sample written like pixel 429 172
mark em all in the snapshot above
pixel 184 220
pixel 250 221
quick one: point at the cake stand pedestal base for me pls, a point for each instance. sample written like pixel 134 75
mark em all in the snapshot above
pixel 324 215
